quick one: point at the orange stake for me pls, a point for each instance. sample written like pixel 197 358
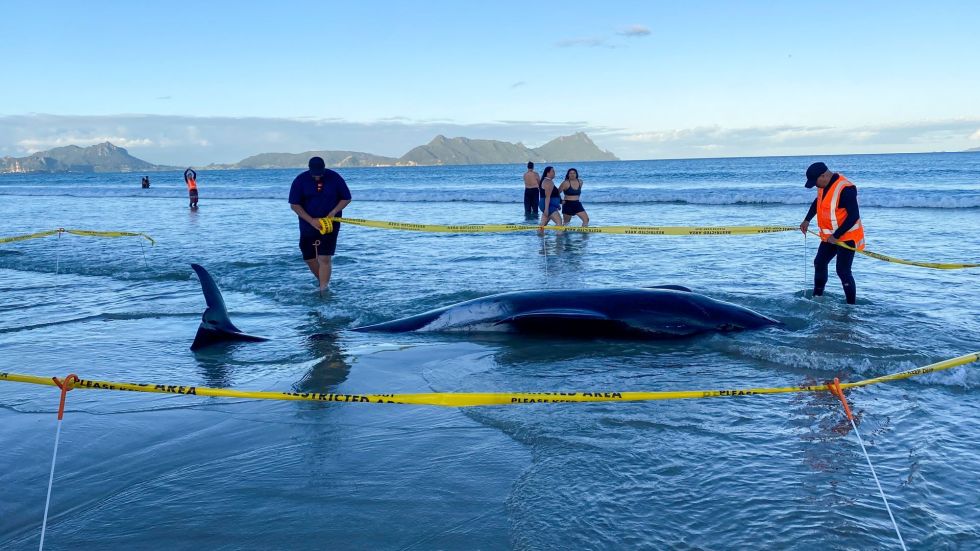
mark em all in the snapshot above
pixel 65 386
pixel 836 391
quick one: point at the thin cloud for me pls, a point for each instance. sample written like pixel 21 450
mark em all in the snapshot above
pixel 920 136
pixel 518 84
pixel 634 31
pixel 584 125
pixel 587 42
pixel 33 145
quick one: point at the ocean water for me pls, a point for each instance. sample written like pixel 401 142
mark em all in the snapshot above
pixel 143 471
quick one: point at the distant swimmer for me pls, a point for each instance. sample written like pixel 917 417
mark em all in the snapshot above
pixel 838 218
pixel 572 206
pixel 550 198
pixel 190 178
pixel 314 194
pixel 145 182
pixel 531 180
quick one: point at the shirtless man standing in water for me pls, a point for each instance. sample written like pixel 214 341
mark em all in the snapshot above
pixel 531 180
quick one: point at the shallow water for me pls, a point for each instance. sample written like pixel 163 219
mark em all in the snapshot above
pixel 145 471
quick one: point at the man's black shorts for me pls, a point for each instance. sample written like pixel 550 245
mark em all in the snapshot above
pixel 327 246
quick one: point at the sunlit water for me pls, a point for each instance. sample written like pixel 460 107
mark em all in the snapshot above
pixel 158 471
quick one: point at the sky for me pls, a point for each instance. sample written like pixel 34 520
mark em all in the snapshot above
pixel 213 82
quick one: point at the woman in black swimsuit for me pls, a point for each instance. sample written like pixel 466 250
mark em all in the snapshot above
pixel 550 198
pixel 572 206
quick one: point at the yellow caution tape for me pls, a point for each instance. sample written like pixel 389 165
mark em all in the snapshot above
pixel 326 226
pixel 87 233
pixel 28 236
pixel 627 230
pixel 468 399
pixel 622 230
pixel 921 264
pixel 91 233
pixel 934 265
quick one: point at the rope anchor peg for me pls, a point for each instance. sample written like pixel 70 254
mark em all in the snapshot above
pixel 65 386
pixel 839 394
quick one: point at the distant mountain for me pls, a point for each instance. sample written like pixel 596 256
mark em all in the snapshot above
pixel 464 151
pixel 106 157
pixel 442 151
pixel 972 149
pixel 577 147
pixel 300 160
pixel 103 157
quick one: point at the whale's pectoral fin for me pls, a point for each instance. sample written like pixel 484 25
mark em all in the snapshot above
pixel 216 326
pixel 555 314
pixel 566 322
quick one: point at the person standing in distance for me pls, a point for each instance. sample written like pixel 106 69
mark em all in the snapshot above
pixel 314 194
pixel 839 220
pixel 190 178
pixel 531 180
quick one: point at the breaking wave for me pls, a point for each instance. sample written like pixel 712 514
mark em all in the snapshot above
pixel 958 198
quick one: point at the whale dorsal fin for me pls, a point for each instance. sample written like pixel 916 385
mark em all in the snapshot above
pixel 215 326
pixel 216 315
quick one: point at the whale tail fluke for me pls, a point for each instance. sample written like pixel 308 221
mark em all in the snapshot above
pixel 216 326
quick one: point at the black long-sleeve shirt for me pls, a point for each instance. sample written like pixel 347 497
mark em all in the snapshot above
pixel 848 201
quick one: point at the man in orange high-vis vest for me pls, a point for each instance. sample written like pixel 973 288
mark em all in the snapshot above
pixel 839 220
pixel 190 178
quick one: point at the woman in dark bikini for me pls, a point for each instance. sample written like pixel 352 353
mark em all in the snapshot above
pixel 550 198
pixel 572 206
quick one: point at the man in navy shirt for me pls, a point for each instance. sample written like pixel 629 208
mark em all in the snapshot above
pixel 318 193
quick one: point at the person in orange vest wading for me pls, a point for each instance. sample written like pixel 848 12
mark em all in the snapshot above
pixel 838 218
pixel 190 178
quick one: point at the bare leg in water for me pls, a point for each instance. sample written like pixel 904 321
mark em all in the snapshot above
pixel 321 267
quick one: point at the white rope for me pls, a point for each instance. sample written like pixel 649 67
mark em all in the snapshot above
pixel 805 258
pixel 882 492
pixel 57 254
pixel 47 501
pixel 142 250
pixel 316 261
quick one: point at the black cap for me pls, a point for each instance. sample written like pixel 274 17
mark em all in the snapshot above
pixel 317 166
pixel 813 172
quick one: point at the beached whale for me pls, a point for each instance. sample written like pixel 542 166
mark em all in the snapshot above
pixel 669 311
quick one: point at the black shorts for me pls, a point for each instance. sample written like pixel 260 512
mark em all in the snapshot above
pixel 571 208
pixel 192 193
pixel 327 246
